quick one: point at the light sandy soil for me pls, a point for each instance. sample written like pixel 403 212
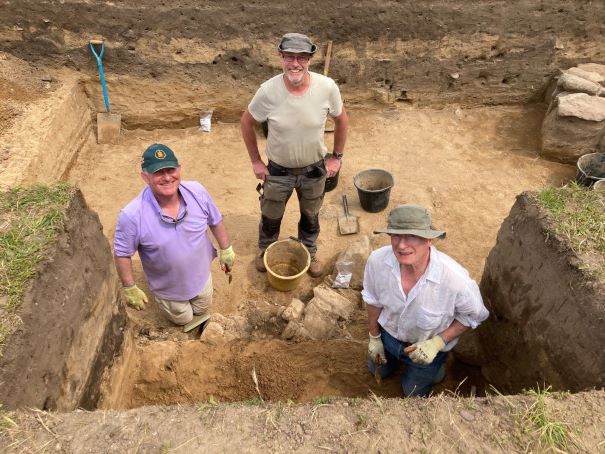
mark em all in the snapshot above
pixel 466 165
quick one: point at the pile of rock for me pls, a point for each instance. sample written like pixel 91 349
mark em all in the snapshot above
pixel 575 120
pixel 328 313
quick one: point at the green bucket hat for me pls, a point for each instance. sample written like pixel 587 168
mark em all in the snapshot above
pixel 411 220
pixel 157 157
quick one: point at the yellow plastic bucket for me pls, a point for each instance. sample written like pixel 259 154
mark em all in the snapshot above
pixel 286 261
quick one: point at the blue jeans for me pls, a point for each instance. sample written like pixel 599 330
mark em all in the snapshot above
pixel 417 379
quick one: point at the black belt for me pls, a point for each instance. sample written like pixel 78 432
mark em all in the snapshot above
pixel 296 171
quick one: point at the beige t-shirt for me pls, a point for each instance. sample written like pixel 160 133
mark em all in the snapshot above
pixel 296 123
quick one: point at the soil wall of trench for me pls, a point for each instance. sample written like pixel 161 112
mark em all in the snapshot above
pixel 72 322
pixel 546 314
pixel 166 62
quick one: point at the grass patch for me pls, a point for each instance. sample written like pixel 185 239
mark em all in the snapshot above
pixel 578 217
pixel 30 217
pixel 324 400
pixel 550 434
pixel 6 420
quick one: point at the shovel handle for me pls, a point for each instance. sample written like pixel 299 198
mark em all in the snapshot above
pixel 345 206
pixel 328 58
pixel 99 58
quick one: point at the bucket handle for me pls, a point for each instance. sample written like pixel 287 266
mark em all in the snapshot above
pixel 299 241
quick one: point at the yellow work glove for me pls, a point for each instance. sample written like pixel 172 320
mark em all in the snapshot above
pixel 376 350
pixel 424 352
pixel 227 258
pixel 135 297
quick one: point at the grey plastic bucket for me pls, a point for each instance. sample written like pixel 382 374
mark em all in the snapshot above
pixel 374 188
pixel 599 186
pixel 590 169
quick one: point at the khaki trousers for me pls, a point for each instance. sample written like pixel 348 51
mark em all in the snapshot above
pixel 182 312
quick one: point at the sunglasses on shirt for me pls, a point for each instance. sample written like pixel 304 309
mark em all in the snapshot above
pixel 169 220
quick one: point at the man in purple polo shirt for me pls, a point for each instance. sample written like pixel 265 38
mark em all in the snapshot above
pixel 167 224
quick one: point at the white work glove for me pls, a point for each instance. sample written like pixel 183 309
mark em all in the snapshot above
pixel 424 352
pixel 227 259
pixel 376 350
pixel 135 297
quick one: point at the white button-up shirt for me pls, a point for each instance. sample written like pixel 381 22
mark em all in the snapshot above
pixel 444 293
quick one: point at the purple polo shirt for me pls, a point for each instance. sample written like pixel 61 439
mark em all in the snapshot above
pixel 176 257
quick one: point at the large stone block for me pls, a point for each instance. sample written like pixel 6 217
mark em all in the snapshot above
pixel 565 139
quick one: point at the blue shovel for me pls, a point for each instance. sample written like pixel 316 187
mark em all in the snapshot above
pixel 108 124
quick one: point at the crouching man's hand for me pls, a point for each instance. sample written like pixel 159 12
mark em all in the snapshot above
pixel 376 350
pixel 227 258
pixel 135 297
pixel 424 352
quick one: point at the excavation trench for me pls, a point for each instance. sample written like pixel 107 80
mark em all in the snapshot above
pixel 466 165
pixel 259 367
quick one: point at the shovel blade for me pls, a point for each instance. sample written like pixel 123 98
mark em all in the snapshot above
pixel 108 127
pixel 348 225
pixel 197 321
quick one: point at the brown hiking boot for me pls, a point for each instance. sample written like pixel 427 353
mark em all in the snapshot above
pixel 315 269
pixel 259 263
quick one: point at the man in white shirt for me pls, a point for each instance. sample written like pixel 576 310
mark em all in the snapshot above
pixel 419 302
pixel 295 104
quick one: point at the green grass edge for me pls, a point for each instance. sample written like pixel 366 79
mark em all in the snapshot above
pixel 30 218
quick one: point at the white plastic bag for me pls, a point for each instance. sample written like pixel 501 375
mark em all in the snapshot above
pixel 344 275
pixel 206 121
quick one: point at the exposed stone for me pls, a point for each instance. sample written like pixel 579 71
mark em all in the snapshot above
pixel 232 327
pixel 588 75
pixel 565 139
pixel 324 311
pixel 570 82
pixel 215 334
pixel 593 67
pixel 294 310
pixel 294 331
pixel 581 105
pixel 357 253
pixel 333 301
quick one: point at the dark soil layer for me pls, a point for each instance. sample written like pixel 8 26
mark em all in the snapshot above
pixel 73 323
pixel 543 307
pixel 437 52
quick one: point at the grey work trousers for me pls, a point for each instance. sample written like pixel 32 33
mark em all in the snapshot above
pixel 277 189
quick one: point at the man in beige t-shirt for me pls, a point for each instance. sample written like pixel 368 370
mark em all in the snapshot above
pixel 295 104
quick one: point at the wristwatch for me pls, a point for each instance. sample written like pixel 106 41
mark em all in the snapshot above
pixel 337 155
